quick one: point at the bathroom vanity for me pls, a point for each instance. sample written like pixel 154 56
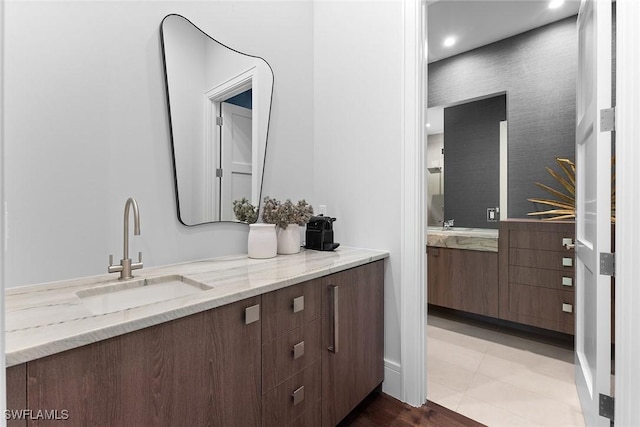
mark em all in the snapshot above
pixel 523 274
pixel 293 340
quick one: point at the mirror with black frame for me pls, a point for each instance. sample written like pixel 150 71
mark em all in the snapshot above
pixel 219 103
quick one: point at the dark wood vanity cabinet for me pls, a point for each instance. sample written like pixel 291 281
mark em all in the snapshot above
pixel 262 361
pixel 537 273
pixel 352 339
pixel 16 382
pixel 465 280
pixel 203 369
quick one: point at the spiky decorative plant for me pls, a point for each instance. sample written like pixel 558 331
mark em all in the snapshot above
pixel 283 214
pixel 564 207
pixel 245 211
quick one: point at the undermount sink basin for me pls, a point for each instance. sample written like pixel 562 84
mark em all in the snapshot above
pixel 136 293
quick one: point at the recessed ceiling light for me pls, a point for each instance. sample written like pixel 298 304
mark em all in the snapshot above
pixel 449 41
pixel 554 4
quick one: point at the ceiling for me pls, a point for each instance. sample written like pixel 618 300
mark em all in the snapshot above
pixel 476 23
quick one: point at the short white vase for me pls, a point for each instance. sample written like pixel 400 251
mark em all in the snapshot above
pixel 289 239
pixel 263 241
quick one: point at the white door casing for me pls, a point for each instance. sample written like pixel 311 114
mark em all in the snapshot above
pixel 236 155
pixel 593 208
pixel 627 380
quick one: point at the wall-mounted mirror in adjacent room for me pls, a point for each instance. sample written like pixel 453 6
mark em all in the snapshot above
pixel 467 151
pixel 219 103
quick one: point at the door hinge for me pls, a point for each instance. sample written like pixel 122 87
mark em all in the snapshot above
pixel 606 406
pixel 607 264
pixel 219 173
pixel 218 121
pixel 608 119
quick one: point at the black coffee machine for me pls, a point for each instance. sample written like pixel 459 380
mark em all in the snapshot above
pixel 319 235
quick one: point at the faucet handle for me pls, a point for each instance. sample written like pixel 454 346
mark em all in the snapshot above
pixel 137 265
pixel 113 268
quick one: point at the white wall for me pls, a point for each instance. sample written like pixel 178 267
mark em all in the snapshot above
pixel 358 99
pixel 86 127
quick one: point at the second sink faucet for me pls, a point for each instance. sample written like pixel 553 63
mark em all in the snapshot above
pixel 126 266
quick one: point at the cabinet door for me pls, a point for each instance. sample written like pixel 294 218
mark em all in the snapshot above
pixel 16 395
pixel 463 280
pixel 353 359
pixel 202 369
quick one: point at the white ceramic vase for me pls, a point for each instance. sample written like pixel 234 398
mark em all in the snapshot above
pixel 289 239
pixel 263 241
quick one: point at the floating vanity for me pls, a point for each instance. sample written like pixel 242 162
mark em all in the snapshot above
pixel 227 341
pixel 528 281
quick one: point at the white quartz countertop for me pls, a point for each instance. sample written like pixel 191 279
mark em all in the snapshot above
pixel 49 318
pixel 475 239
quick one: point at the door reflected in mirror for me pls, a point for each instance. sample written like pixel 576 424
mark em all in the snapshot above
pixel 219 103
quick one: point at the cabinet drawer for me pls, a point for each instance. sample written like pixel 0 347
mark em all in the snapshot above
pixel 289 308
pixel 552 260
pixel 291 401
pixel 279 361
pixel 543 307
pixel 540 240
pixel 555 279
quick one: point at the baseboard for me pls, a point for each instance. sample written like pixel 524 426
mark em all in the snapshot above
pixel 392 384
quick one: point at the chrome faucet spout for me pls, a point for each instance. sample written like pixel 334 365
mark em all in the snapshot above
pixel 126 266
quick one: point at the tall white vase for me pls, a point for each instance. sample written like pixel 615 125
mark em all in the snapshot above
pixel 263 241
pixel 289 239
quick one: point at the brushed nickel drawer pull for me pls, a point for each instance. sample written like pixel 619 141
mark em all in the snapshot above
pixel 567 281
pixel 298 304
pixel 567 308
pixel 567 262
pixel 252 314
pixel 336 320
pixel 298 395
pixel 298 350
pixel 568 244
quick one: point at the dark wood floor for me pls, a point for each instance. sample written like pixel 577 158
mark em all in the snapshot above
pixel 379 409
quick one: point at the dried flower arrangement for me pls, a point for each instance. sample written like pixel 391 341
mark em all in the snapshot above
pixel 283 214
pixel 565 204
pixel 245 211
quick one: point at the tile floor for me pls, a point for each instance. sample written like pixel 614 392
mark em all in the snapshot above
pixel 500 379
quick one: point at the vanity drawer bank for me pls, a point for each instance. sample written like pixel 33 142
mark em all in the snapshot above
pixel 537 273
pixel 293 340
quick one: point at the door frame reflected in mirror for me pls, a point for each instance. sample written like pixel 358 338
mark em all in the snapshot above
pixel 213 146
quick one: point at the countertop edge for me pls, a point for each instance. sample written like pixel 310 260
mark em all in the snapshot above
pixel 92 336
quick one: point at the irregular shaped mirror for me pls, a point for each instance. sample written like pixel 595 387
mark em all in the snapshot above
pixel 219 105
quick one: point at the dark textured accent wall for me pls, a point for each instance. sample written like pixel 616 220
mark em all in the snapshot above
pixel 472 161
pixel 537 69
